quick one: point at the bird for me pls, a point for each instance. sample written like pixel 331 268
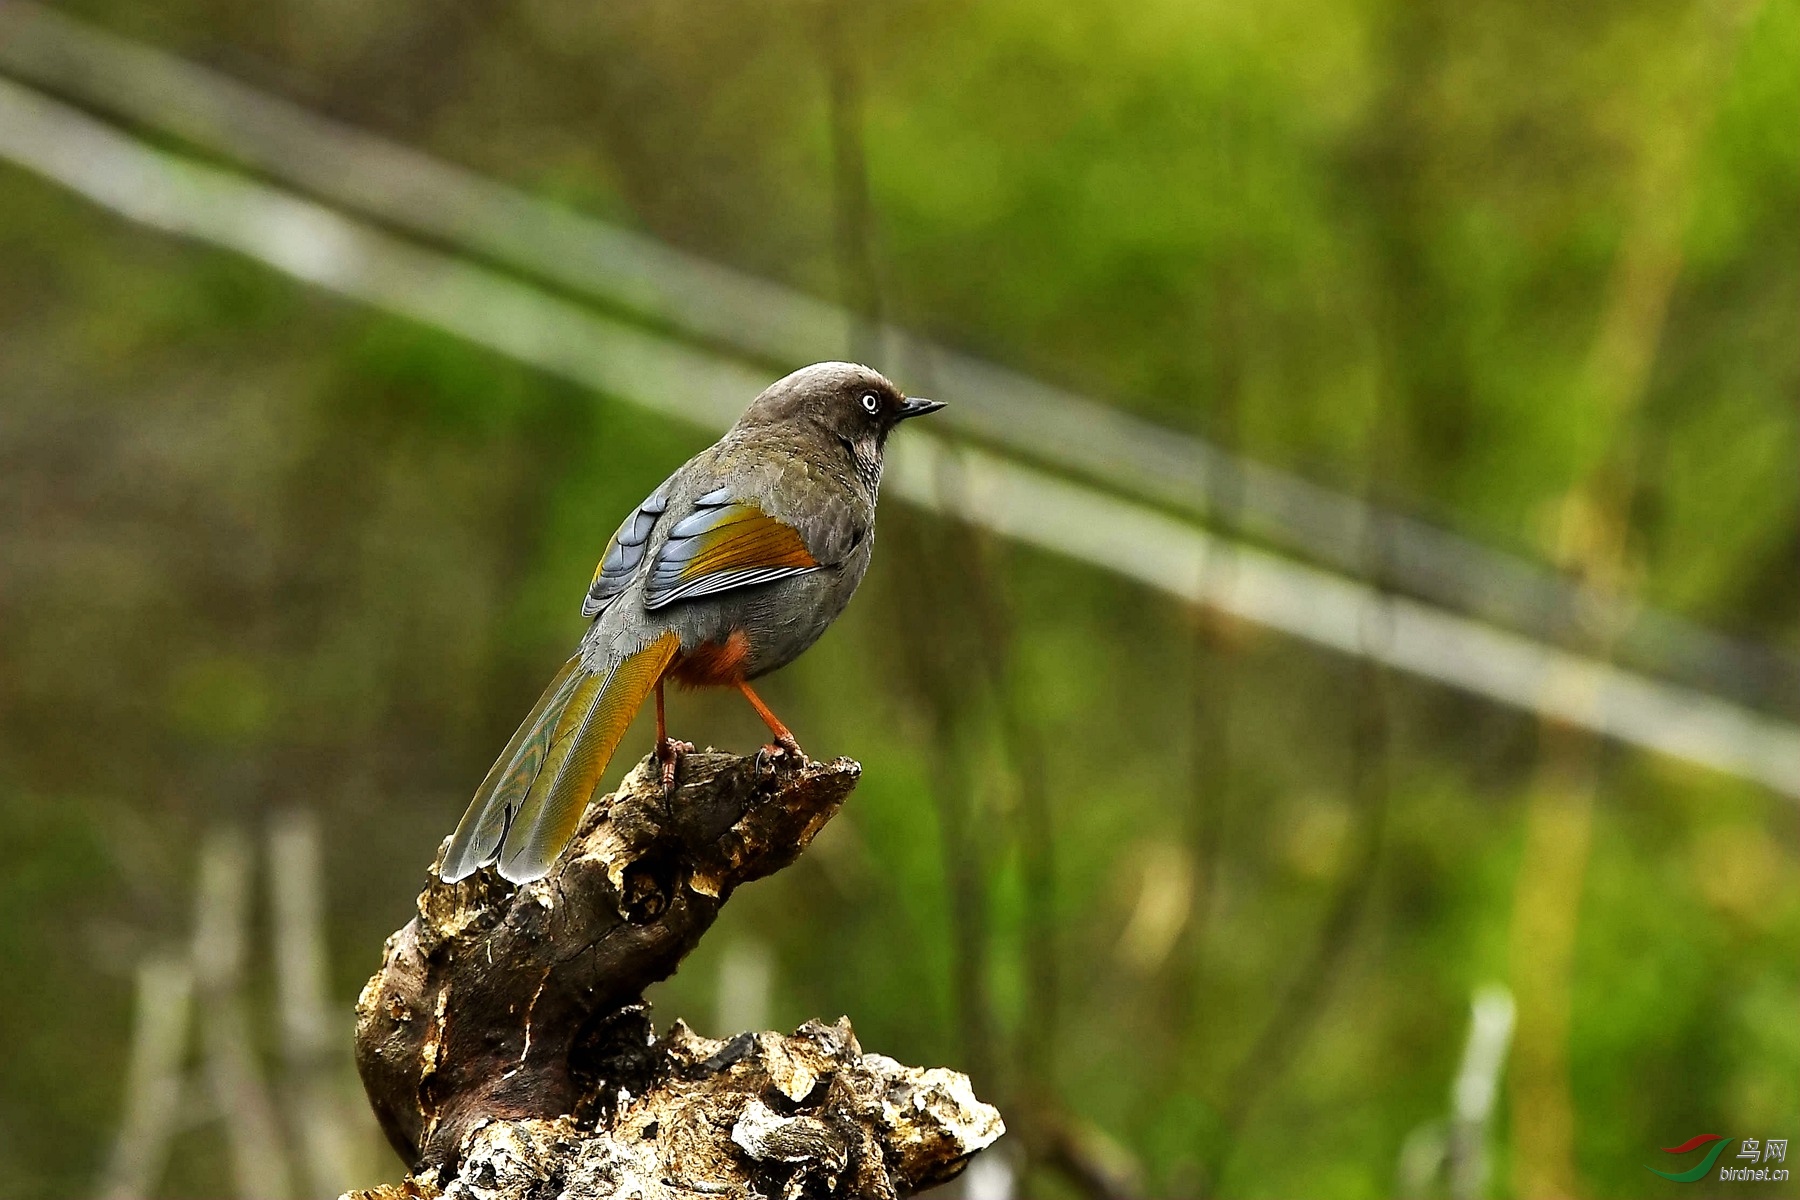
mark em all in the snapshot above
pixel 729 570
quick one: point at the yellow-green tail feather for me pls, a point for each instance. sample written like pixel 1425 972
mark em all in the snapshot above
pixel 478 836
pixel 527 808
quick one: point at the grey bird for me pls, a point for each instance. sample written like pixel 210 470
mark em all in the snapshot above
pixel 731 569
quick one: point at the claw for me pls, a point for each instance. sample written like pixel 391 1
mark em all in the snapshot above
pixel 782 749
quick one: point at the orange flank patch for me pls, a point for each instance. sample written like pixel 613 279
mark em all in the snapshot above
pixel 749 539
pixel 713 664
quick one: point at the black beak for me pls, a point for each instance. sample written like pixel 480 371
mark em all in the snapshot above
pixel 918 406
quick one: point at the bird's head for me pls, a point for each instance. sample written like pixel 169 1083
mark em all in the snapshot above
pixel 853 404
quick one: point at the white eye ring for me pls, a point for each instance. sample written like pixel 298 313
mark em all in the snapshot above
pixel 871 403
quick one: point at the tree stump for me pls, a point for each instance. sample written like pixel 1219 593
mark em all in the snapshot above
pixel 508 1052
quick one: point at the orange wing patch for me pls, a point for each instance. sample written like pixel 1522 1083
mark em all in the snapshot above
pixel 752 539
pixel 724 544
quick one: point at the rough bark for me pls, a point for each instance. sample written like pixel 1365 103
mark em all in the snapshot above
pixel 508 1053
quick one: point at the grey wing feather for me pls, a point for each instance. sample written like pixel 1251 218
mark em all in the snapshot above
pixel 624 553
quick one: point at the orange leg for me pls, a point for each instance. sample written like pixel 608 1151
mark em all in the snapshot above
pixel 783 738
pixel 668 751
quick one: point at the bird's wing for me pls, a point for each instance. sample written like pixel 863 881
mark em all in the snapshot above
pixel 624 554
pixel 724 543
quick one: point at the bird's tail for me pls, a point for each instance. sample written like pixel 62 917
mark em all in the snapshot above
pixel 527 808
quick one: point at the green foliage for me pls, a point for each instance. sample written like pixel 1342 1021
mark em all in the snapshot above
pixel 263 548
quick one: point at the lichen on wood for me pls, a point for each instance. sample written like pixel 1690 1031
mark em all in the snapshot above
pixel 508 1053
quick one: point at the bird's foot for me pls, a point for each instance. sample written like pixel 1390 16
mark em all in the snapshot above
pixel 780 748
pixel 669 753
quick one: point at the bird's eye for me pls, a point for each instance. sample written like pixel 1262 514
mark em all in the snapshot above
pixel 871 403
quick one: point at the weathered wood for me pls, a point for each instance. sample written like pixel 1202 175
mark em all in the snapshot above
pixel 504 1043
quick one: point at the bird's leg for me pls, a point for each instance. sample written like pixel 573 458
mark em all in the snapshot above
pixel 668 751
pixel 783 738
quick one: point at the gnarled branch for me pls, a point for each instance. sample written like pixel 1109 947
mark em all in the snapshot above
pixel 505 1043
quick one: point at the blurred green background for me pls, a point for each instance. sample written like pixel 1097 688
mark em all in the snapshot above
pixel 1200 906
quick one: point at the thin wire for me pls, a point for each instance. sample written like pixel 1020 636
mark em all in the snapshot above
pixel 310 242
pixel 716 305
